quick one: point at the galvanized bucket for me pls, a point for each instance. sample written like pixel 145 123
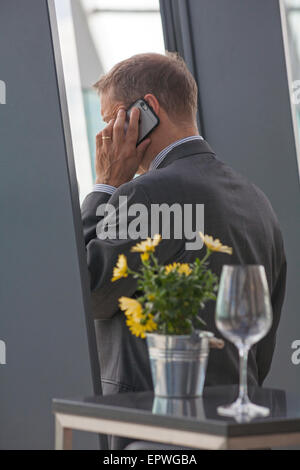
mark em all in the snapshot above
pixel 178 363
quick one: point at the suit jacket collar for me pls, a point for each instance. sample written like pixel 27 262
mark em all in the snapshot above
pixel 195 147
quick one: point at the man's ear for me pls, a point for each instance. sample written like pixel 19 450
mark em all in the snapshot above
pixel 153 102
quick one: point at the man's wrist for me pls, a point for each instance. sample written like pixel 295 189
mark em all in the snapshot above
pixel 104 188
pixel 108 181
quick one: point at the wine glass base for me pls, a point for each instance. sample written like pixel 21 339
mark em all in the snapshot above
pixel 243 412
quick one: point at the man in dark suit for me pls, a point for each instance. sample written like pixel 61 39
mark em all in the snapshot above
pixel 176 167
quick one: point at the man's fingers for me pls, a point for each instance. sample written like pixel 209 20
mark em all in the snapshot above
pixel 107 134
pixel 99 137
pixel 99 142
pixel 107 131
pixel 119 125
pixel 133 128
pixel 141 149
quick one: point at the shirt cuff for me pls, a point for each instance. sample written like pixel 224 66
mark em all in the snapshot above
pixel 104 188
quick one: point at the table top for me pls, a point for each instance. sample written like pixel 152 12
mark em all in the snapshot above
pixel 195 415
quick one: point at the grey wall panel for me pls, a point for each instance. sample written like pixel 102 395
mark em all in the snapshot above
pixel 246 117
pixel 42 297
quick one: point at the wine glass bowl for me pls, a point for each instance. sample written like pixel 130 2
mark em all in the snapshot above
pixel 244 317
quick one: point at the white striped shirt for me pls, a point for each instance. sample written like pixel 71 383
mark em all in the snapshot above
pixel 162 155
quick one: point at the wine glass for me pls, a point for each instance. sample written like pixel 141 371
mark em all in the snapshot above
pixel 243 316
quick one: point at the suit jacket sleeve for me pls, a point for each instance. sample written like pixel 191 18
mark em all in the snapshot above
pixel 102 254
pixel 265 348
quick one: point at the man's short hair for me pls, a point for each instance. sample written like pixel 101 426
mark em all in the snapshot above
pixel 165 76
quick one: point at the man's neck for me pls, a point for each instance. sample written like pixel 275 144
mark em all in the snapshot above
pixel 168 140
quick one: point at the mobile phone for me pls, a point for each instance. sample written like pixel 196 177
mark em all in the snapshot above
pixel 148 119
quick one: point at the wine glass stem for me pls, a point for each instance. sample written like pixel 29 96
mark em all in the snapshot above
pixel 243 394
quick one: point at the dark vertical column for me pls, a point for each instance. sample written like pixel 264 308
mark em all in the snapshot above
pixel 178 37
pixel 239 64
pixel 44 300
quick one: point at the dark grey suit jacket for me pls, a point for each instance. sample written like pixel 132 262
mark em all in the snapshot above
pixel 236 211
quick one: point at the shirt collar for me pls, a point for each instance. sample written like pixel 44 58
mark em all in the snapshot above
pixel 162 155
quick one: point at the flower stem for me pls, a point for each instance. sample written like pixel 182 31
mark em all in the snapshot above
pixel 208 253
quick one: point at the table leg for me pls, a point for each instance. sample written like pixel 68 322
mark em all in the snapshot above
pixel 63 436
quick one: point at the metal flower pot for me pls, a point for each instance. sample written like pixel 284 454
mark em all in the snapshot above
pixel 178 363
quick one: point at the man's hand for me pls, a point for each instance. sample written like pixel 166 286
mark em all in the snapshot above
pixel 117 157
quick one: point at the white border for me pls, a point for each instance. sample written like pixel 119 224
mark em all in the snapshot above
pixel 289 78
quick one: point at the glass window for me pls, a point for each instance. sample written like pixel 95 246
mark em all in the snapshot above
pixel 95 35
pixel 291 33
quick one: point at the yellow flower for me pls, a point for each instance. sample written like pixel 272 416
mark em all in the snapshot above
pixel 181 268
pixel 151 325
pixel 138 329
pixel 145 256
pixel 131 307
pixel 215 245
pixel 171 267
pixel 121 269
pixel 147 246
pixel 184 269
